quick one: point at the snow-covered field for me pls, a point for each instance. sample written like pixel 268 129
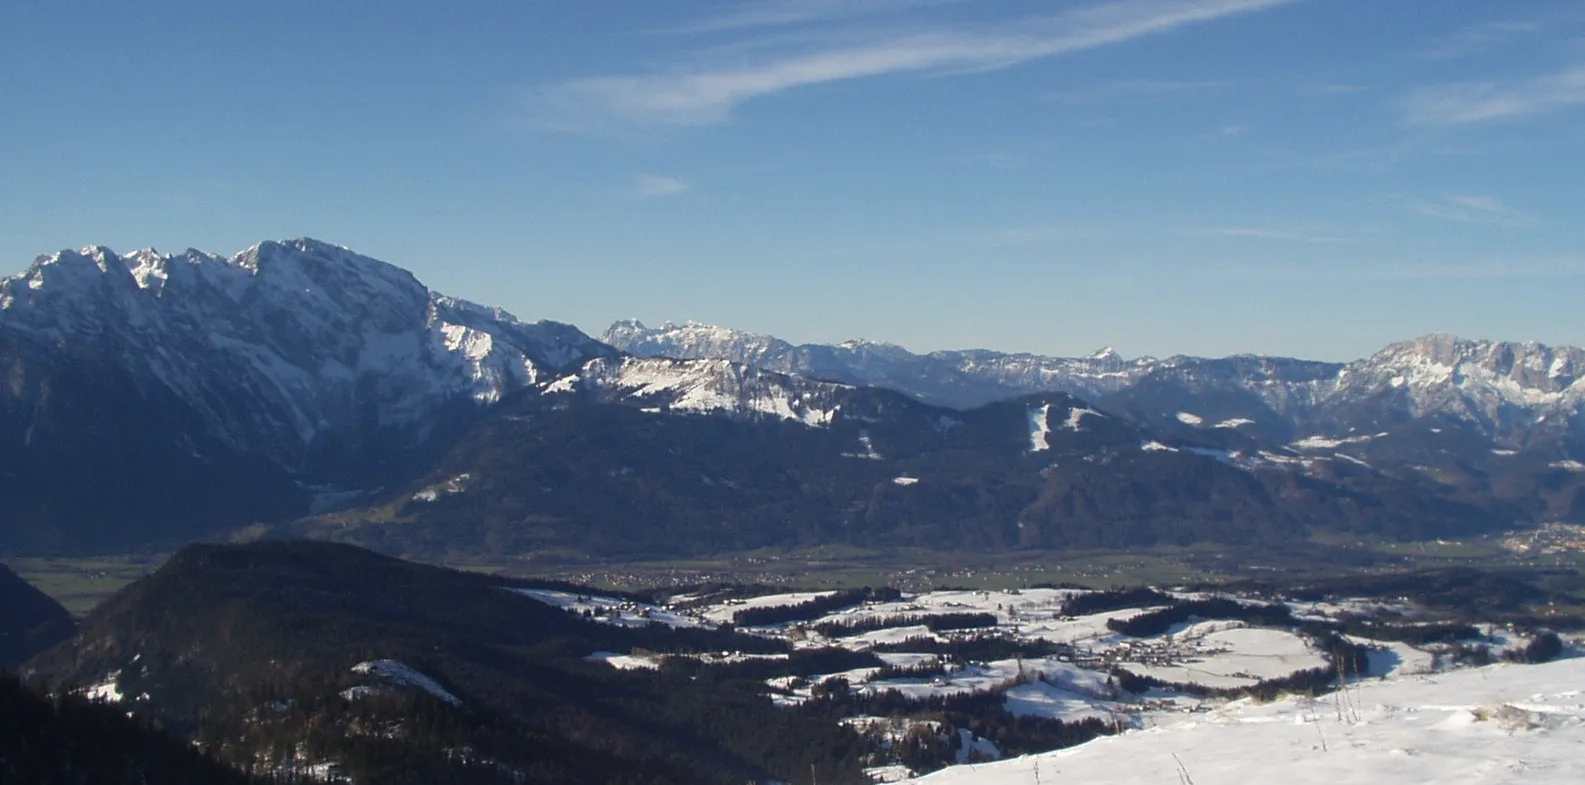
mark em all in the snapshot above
pixel 723 613
pixel 1494 725
pixel 1410 720
pixel 1216 654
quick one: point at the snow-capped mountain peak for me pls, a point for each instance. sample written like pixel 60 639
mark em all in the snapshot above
pixel 1513 394
pixel 320 341
pixel 1499 385
pixel 711 387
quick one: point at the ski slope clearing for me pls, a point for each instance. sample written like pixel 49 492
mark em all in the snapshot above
pixel 1039 429
pixel 1494 725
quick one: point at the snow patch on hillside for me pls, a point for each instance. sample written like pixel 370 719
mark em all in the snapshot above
pixel 626 662
pixel 716 387
pixel 106 691
pixel 398 672
pixel 457 484
pixel 1325 443
pixel 1076 417
pixel 1039 428
pixel 610 610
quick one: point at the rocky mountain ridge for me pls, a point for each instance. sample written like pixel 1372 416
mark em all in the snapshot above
pixel 300 387
pixel 1518 395
pixel 320 341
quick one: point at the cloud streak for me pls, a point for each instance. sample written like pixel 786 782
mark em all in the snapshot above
pixel 707 96
pixel 1463 103
pixel 1257 233
pixel 1124 88
pixel 1480 38
pixel 1483 210
pixel 776 13
pixel 649 186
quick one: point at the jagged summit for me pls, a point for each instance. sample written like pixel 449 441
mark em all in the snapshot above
pixel 958 378
pixel 320 340
pixel 1502 389
pixel 298 372
pixel 1526 363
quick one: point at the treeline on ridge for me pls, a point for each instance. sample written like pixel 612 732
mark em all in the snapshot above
pixel 814 608
pixel 1114 600
pixel 983 714
pixel 1279 615
pixel 1344 659
pixel 935 622
pixel 1159 621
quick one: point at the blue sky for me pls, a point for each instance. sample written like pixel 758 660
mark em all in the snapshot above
pixel 1308 178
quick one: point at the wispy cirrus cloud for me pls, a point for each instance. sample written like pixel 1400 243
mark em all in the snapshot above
pixel 1139 88
pixel 1461 103
pixel 1336 88
pixel 1476 209
pixel 1261 233
pixel 698 96
pixel 776 13
pixel 1480 38
pixel 649 186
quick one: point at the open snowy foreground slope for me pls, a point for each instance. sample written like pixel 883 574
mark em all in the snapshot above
pixel 1493 725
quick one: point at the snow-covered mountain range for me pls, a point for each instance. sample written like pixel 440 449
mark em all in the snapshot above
pixel 1517 395
pixel 180 394
pixel 956 379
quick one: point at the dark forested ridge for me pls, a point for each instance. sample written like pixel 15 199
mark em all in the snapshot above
pixel 30 620
pixel 250 649
pixel 614 480
pixel 68 740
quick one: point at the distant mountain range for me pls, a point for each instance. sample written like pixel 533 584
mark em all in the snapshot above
pixel 298 387
pixel 1512 393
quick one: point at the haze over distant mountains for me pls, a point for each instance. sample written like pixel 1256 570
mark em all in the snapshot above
pixel 299 387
